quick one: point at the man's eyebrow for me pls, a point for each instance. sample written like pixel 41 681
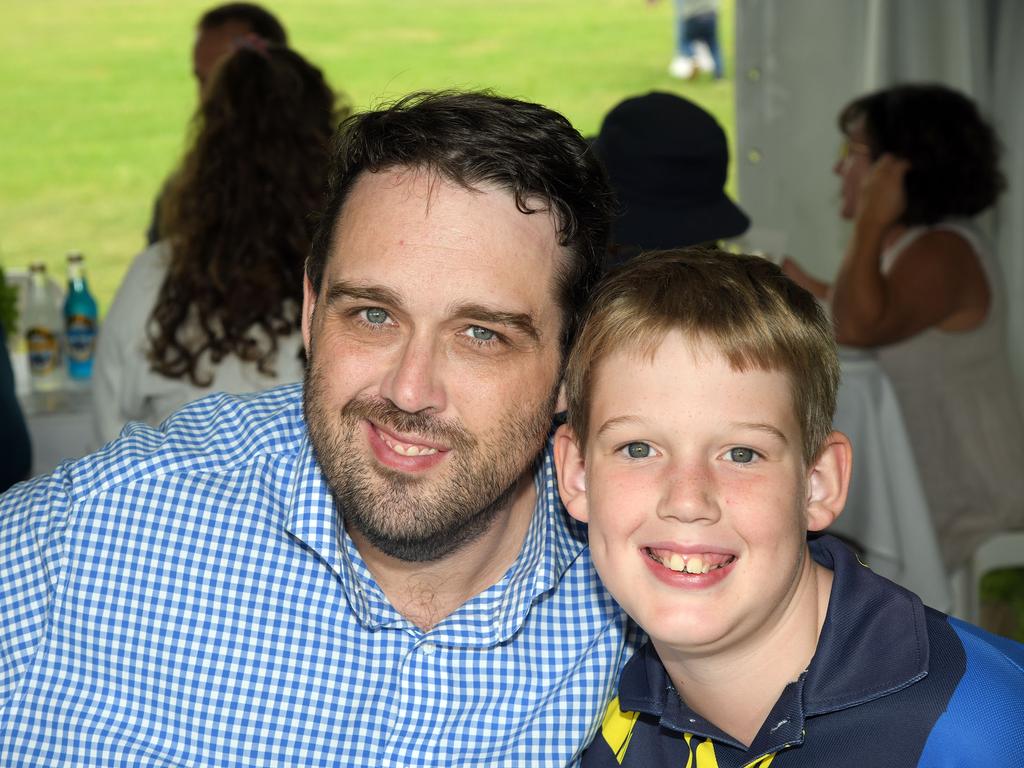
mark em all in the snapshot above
pixel 521 321
pixel 344 289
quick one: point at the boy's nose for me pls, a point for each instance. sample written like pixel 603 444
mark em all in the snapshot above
pixel 689 494
pixel 413 381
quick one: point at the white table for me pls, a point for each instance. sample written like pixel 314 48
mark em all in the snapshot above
pixel 886 511
pixel 60 426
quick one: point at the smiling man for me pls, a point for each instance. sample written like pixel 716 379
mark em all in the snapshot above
pixel 371 569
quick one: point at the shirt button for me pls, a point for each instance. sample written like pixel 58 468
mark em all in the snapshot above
pixel 427 649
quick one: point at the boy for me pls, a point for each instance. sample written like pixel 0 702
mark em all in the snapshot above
pixel 699 449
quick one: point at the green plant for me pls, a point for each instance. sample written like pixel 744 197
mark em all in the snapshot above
pixel 8 305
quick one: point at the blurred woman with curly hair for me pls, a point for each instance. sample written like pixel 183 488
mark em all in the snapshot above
pixel 215 305
pixel 919 287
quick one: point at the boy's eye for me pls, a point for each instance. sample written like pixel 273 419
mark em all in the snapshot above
pixel 375 315
pixel 637 450
pixel 742 455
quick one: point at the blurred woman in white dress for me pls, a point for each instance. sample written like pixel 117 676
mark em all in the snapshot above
pixel 215 306
pixel 919 287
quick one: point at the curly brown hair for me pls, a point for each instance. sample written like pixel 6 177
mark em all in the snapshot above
pixel 238 213
pixel 952 150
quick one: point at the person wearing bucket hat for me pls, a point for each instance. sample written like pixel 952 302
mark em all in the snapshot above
pixel 667 161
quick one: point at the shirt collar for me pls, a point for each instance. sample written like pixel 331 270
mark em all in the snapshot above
pixel 866 615
pixel 553 541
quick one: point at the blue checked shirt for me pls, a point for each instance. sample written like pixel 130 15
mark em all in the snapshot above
pixel 187 597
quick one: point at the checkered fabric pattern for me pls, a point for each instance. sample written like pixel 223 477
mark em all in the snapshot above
pixel 188 597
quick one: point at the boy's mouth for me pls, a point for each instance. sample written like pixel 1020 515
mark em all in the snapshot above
pixel 692 564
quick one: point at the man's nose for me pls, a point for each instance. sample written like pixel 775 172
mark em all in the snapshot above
pixel 413 381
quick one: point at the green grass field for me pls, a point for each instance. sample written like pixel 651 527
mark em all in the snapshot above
pixel 95 95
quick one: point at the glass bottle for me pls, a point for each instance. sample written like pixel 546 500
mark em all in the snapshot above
pixel 80 320
pixel 43 332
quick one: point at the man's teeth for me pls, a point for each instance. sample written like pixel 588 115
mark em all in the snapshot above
pixel 410 450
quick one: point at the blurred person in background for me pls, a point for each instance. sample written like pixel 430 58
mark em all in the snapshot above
pixel 667 160
pixel 697 50
pixel 215 305
pixel 216 33
pixel 919 287
pixel 17 451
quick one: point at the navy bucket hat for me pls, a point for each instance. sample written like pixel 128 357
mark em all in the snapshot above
pixel 667 160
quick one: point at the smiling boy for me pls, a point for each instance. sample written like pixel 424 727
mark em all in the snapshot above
pixel 699 449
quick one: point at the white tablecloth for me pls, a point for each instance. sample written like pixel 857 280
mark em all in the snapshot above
pixel 60 426
pixel 886 512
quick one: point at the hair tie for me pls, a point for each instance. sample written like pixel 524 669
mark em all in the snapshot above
pixel 253 42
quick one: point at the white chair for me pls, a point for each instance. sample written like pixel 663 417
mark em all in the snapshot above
pixel 1003 550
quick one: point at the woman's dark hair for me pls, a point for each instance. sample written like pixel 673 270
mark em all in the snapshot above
pixel 953 152
pixel 238 213
pixel 478 138
pixel 258 19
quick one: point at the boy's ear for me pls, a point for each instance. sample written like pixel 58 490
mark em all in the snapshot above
pixel 828 482
pixel 571 468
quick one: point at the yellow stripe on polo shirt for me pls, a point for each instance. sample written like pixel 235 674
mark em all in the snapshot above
pixel 617 729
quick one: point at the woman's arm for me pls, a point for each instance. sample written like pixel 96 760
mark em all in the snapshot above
pixel 934 278
pixel 121 346
pixel 795 272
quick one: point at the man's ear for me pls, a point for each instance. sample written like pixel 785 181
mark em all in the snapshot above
pixel 828 482
pixel 561 404
pixel 308 302
pixel 572 476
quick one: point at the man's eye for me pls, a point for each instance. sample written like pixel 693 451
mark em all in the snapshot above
pixel 742 455
pixel 638 450
pixel 481 334
pixel 375 315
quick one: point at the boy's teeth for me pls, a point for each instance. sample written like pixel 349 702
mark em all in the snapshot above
pixel 692 564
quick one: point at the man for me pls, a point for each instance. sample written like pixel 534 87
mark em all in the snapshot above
pixel 217 34
pixel 396 584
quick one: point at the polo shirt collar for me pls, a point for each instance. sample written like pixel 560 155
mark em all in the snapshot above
pixel 553 541
pixel 866 615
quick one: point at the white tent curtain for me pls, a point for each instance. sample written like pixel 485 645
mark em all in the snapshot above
pixel 799 61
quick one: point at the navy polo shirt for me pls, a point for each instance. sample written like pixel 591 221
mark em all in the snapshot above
pixel 892 683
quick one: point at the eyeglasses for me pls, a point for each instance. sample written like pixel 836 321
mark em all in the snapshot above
pixel 847 148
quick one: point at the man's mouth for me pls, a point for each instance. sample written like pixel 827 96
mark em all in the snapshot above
pixel 406 449
pixel 704 562
pixel 403 448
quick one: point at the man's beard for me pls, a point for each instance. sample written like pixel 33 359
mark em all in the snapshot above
pixel 397 512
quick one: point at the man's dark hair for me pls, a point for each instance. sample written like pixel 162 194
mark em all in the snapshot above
pixel 259 20
pixel 478 138
pixel 953 152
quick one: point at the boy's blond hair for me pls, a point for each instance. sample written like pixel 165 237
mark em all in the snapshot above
pixel 744 306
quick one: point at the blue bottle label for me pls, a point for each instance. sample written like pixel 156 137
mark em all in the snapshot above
pixel 81 336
